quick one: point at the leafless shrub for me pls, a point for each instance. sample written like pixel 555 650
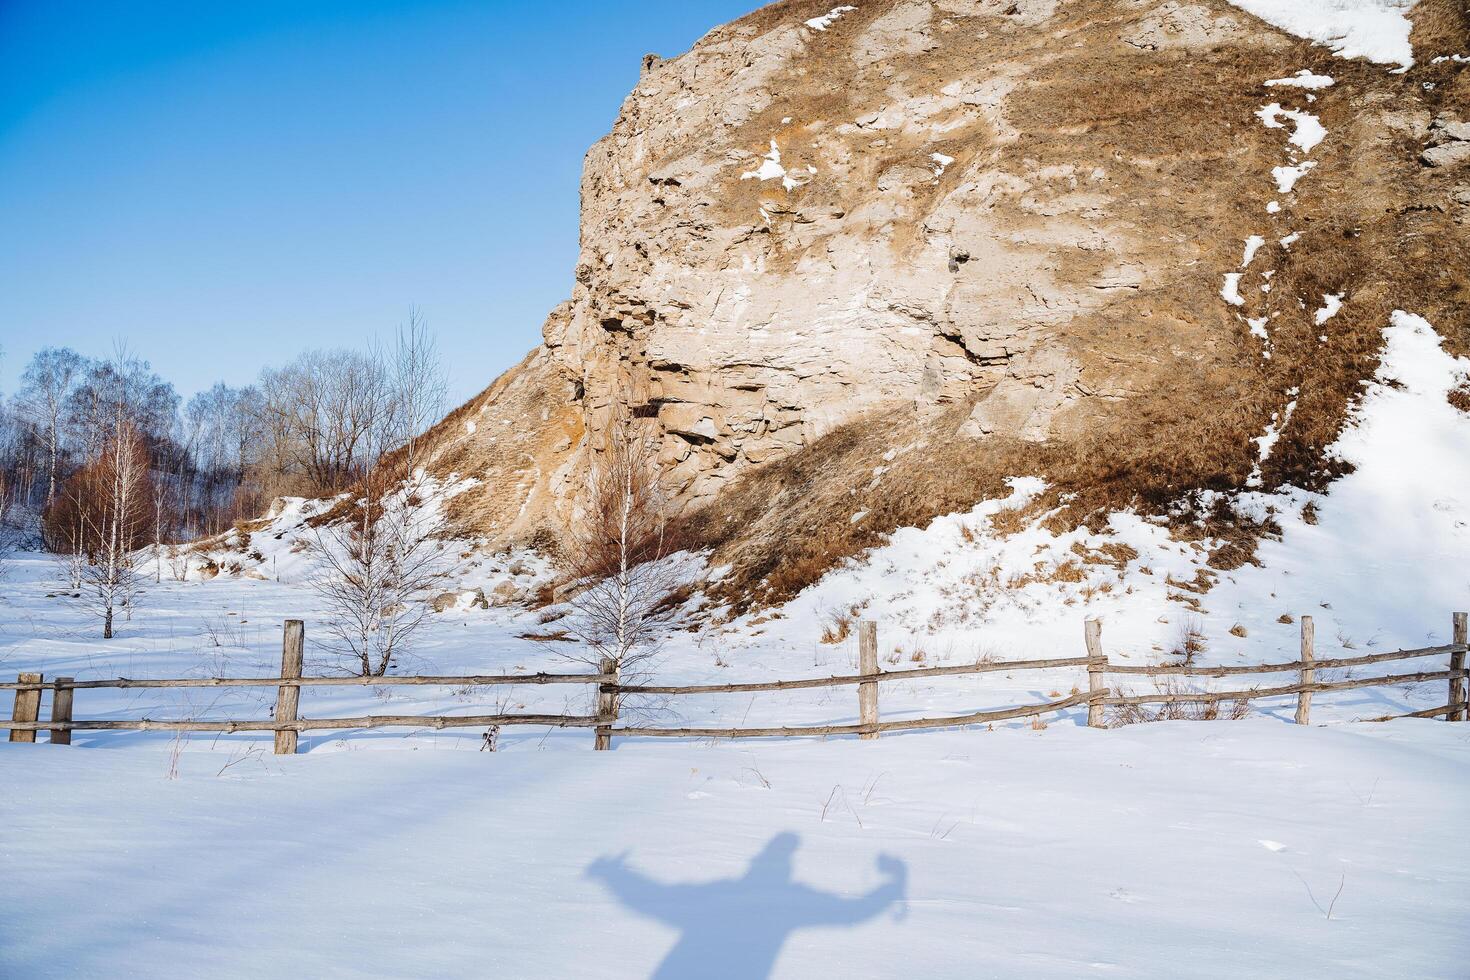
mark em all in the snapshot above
pixel 377 568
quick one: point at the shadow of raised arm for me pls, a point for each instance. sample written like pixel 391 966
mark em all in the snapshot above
pixel 821 908
pixel 655 899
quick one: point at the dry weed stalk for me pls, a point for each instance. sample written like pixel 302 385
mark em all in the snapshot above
pixel 1172 685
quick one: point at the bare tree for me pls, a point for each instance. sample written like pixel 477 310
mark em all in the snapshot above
pixel 110 497
pixel 46 388
pixel 7 530
pixel 377 569
pixel 616 556
pixel 328 411
pixel 160 501
pixel 419 388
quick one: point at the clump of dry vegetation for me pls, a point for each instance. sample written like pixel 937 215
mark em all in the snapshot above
pixel 1460 396
pixel 1191 641
pixel 1135 714
pixel 838 626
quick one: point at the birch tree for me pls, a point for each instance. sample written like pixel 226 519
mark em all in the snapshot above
pixel 615 558
pixel 46 388
pixel 377 569
pixel 97 523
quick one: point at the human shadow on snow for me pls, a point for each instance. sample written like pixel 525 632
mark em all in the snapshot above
pixel 735 927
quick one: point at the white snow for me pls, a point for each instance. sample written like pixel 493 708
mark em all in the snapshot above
pixel 1307 131
pixel 1258 327
pixel 829 18
pixel 1286 177
pixel 1160 851
pixel 1267 442
pixel 771 168
pixel 1291 239
pixel 1331 303
pixel 1377 30
pixel 1230 292
pixel 942 162
pixel 1303 79
pixel 1273 207
pixel 1252 244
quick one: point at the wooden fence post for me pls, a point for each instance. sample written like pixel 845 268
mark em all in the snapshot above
pixel 61 697
pixel 1308 675
pixel 1097 663
pixel 288 697
pixel 1459 636
pixel 868 664
pixel 607 706
pixel 27 706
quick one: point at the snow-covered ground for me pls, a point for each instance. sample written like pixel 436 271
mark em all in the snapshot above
pixel 1245 849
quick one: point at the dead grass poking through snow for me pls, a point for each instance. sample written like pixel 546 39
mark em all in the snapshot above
pixel 1137 714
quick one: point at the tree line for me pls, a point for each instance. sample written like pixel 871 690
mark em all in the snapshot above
pixel 311 428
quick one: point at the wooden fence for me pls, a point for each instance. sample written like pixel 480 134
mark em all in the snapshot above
pixel 286 723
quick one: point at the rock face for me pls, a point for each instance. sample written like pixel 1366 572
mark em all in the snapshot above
pixel 1024 206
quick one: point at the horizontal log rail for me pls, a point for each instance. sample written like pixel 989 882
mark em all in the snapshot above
pixel 839 680
pixel 907 724
pixel 1150 670
pixel 1256 693
pixel 466 680
pixel 1444 709
pixel 313 724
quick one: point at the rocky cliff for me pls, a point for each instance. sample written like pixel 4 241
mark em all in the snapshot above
pixel 1094 239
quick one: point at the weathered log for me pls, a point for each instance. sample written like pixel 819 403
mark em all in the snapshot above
pixel 1444 709
pixel 61 702
pixel 868 690
pixel 1275 692
pixel 1296 665
pixel 909 724
pixel 1460 636
pixel 607 705
pixel 1308 675
pixel 27 707
pixel 837 680
pixel 288 697
pixel 319 724
pixel 1097 663
pixel 468 680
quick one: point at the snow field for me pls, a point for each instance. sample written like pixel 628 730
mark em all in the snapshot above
pixel 1169 850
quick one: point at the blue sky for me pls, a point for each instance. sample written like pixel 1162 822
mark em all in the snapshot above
pixel 226 184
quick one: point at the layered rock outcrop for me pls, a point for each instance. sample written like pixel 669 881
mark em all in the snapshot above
pixel 1023 206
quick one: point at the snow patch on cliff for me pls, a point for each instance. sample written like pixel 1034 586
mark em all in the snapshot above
pixel 1374 29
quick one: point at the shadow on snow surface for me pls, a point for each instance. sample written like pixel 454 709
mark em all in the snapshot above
pixel 735 927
